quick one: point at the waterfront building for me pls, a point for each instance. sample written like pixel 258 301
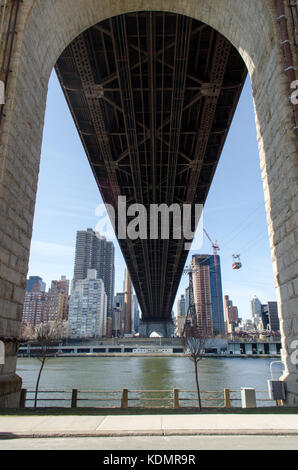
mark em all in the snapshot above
pixel 270 320
pixel 180 322
pixel 187 300
pixel 116 323
pixel 181 309
pixel 94 252
pixel 127 304
pixel 35 308
pixel 58 299
pixel 181 315
pixel 88 307
pixel 256 311
pixel 136 314
pixel 35 280
pixel 231 315
pixel 273 316
pixel 119 302
pixel 207 292
pixel 109 327
pixel 247 325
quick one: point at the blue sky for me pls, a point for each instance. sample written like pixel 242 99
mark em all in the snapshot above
pixel 234 212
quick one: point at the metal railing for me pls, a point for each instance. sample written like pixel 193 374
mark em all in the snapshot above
pixel 126 398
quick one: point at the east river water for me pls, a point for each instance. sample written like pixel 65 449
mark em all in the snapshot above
pixel 145 373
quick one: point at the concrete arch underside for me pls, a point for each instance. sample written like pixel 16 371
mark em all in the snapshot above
pixel 45 28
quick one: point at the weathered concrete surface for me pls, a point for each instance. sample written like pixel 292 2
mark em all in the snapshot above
pixel 146 425
pixel 44 29
pixel 149 443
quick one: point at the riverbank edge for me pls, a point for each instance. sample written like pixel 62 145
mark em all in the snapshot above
pixel 178 432
pixel 85 411
pixel 217 356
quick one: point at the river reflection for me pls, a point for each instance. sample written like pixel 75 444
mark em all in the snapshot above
pixel 146 373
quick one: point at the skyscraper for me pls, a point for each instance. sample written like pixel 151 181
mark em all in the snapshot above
pixel 181 315
pixel 180 322
pixel 207 290
pixel 35 308
pixel 88 307
pixel 256 310
pixel 58 299
pixel 128 304
pixel 116 321
pixel 273 316
pixel 270 318
pixel 95 252
pixel 136 314
pixel 187 300
pixel 231 315
pixel 35 280
pixel 181 309
pixel 119 303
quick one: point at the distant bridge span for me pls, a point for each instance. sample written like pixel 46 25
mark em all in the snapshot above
pixel 152 95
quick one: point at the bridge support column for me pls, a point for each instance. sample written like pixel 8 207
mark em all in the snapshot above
pixel 165 328
pixel 253 29
pixel 10 383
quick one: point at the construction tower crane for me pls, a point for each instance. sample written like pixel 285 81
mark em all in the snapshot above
pixel 215 246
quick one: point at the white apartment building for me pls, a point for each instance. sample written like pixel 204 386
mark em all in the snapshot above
pixel 88 307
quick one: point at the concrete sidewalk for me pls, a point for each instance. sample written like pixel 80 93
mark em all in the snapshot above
pixel 150 425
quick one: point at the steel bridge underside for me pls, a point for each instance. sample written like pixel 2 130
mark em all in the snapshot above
pixel 152 95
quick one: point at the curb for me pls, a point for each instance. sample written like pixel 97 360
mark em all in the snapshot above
pixel 164 433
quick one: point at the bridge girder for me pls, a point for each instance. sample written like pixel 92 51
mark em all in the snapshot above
pixel 152 95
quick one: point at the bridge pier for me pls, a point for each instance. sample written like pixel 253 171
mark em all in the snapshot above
pixel 10 382
pixel 163 327
pixel 253 29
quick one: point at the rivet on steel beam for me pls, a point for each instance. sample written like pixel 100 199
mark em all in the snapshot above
pixel 281 17
pixel 290 68
pixel 285 42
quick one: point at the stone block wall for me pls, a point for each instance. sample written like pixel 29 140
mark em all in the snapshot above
pixel 44 29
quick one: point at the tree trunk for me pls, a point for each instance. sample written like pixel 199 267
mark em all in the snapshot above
pixel 38 379
pixel 198 386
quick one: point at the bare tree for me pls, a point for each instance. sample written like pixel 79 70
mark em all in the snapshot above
pixel 45 334
pixel 194 344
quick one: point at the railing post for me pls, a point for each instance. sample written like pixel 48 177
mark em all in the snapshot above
pixel 227 398
pixel 248 397
pixel 176 398
pixel 74 398
pixel 124 400
pixel 23 398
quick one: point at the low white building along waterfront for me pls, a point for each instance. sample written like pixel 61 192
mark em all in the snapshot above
pixel 88 307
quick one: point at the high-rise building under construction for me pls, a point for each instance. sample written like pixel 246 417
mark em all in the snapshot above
pixel 207 292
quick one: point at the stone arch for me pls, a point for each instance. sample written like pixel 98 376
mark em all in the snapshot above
pixel 45 28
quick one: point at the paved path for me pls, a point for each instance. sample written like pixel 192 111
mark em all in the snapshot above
pixel 168 443
pixel 148 425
